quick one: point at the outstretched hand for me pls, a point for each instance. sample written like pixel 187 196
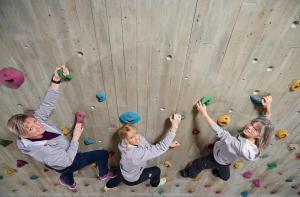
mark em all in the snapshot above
pixel 266 101
pixel 174 144
pixel 175 120
pixel 201 108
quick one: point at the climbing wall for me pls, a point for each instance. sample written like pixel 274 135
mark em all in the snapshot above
pixel 154 57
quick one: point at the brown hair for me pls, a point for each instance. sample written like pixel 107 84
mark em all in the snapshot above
pixel 16 123
pixel 123 131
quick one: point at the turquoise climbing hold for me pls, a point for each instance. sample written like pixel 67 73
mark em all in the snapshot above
pixel 289 180
pixel 182 116
pixel 130 118
pixel 264 156
pixel 101 96
pixel 255 100
pixel 272 165
pixel 34 177
pixel 88 141
pixel 240 130
pixel 244 193
pixel 207 100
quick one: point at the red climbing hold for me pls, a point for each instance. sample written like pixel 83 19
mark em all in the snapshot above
pixel 218 192
pixel 21 163
pixel 297 155
pixel 256 182
pixel 207 185
pixel 80 117
pixel 195 131
pixel 247 175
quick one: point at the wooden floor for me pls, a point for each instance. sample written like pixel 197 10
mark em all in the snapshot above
pixel 155 57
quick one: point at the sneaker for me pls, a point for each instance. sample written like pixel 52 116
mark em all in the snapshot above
pixel 162 181
pixel 72 187
pixel 107 189
pixel 184 173
pixel 109 175
pixel 215 173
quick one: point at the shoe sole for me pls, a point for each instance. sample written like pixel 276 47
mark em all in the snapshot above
pixel 67 186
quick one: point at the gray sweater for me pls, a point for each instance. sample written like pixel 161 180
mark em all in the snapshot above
pixel 134 158
pixel 231 148
pixel 58 152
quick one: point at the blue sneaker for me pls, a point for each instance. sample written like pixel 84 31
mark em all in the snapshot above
pixel 72 187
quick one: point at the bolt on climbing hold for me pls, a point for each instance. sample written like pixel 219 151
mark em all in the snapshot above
pixel 264 156
pixel 177 185
pixel 190 191
pixel 1 177
pixel 207 185
pixel 88 141
pixel 11 77
pixel 182 116
pixel 65 130
pixel 10 171
pixel 245 193
pixel 80 115
pixel 21 163
pixel 238 165
pixel 161 191
pixel 101 96
pixel 5 143
pixel 34 177
pixel 224 120
pixel 218 192
pixel 67 77
pixel 46 169
pixel 195 131
pixel 272 165
pixel 197 179
pixel 206 100
pixel 247 175
pixel 240 130
pixel 293 146
pixel 280 173
pixel 256 182
pixel 297 156
pixel 168 164
pixel 281 133
pixel 130 118
pixel 295 85
pixel 289 180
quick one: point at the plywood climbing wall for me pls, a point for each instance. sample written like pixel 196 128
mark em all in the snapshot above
pixel 154 57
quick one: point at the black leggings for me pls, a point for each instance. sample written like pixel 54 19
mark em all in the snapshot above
pixel 207 162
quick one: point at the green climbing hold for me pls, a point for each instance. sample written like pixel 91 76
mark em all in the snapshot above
pixel 161 191
pixel 1 177
pixel 69 77
pixel 289 180
pixel 206 100
pixel 272 165
pixel 5 142
pixel 240 130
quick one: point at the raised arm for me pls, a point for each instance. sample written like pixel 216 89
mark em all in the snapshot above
pixel 266 103
pixel 49 103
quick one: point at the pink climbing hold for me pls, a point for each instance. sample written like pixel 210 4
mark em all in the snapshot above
pixel 21 163
pixel 207 185
pixel 247 175
pixel 80 117
pixel 256 182
pixel 297 155
pixel 218 192
pixel 11 77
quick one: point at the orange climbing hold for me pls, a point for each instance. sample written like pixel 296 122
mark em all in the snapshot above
pixel 168 164
pixel 295 85
pixel 224 120
pixel 238 165
pixel 281 133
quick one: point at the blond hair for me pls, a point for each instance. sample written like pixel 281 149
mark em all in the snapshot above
pixel 16 123
pixel 125 129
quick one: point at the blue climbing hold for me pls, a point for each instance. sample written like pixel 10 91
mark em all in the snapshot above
pixel 101 96
pixel 244 193
pixel 182 116
pixel 130 118
pixel 88 141
pixel 34 177
pixel 255 100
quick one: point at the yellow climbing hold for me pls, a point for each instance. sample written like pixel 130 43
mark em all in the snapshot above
pixel 281 133
pixel 197 179
pixel 64 130
pixel 168 164
pixel 10 171
pixel 295 85
pixel 238 165
pixel 224 120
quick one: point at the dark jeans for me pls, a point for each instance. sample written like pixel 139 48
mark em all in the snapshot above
pixel 208 162
pixel 100 157
pixel 152 173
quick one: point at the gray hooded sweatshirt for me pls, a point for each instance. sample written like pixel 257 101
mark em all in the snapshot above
pixel 231 148
pixel 58 152
pixel 134 158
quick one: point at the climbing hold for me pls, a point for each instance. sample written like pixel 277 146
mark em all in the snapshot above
pixel 1 177
pixel 5 142
pixel 256 182
pixel 255 100
pixel 281 133
pixel 111 153
pixel 210 145
pixel 80 117
pixel 207 185
pixel 195 131
pixel 10 171
pixel 44 190
pixel 280 173
pixel 130 118
pixel 218 192
pixel 294 187
pixel 65 130
pixel 207 100
pixel 94 165
pixel 274 191
pixel 190 191
pixel 264 156
pixel 21 163
pixel 238 165
pixel 247 175
pixel 295 85
pixel 161 191
pixel 197 179
pixel 88 141
pixel 34 177
pixel 293 146
pixel 11 77
pixel 68 77
pixel 182 116
pixel 168 164
pixel 132 190
pixel 272 165
pixel 289 180
pixel 244 193
pixel 101 96
pixel 240 130
pixel 224 120
pixel 297 155
pixel 46 169
pixel 177 185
